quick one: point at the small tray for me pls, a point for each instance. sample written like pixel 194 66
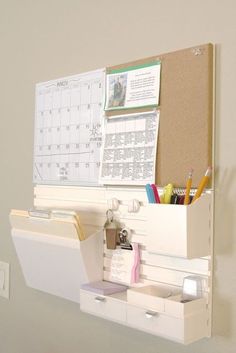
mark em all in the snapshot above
pixel 152 297
pixel 176 308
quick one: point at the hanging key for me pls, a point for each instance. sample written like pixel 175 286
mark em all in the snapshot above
pixel 112 230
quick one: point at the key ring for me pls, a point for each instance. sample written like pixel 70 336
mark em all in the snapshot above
pixel 110 216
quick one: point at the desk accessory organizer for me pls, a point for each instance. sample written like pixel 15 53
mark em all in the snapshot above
pixel 156 304
pixel 43 257
pixel 166 317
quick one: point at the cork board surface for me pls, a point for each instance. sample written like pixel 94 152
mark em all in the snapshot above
pixel 186 114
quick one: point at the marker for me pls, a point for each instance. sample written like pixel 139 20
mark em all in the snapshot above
pixel 168 190
pixel 181 200
pixel 174 199
pixel 155 192
pixel 150 193
pixel 202 184
pixel 188 188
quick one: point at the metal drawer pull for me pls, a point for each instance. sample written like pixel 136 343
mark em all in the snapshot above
pixel 100 299
pixel 150 314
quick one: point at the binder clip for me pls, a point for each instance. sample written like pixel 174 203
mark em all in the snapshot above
pixel 124 235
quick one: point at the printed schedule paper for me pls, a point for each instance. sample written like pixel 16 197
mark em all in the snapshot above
pixel 129 149
pixel 68 129
pixel 133 87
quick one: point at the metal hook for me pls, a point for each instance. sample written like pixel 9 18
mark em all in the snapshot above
pixel 110 215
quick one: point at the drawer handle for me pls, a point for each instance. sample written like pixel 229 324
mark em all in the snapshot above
pixel 100 299
pixel 150 314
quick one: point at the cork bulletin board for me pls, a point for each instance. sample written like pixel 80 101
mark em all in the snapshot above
pixel 186 114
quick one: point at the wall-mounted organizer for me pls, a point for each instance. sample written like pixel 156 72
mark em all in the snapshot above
pixel 182 322
pixel 175 242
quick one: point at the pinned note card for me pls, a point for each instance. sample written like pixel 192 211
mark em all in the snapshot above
pixel 133 86
pixel 129 149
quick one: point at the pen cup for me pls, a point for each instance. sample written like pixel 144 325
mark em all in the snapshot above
pixel 180 230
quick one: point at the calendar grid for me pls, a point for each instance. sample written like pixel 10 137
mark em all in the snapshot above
pixel 68 129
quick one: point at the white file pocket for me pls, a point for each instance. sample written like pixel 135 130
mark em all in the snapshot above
pixel 52 257
pixel 179 230
pixel 104 306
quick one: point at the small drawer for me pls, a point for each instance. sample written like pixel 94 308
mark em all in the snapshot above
pixel 155 323
pixel 180 230
pixel 104 306
pixel 184 330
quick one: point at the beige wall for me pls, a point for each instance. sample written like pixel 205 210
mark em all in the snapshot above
pixel 46 39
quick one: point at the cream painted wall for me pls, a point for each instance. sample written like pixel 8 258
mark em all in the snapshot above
pixel 42 40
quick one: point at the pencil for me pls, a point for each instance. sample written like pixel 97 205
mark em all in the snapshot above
pixel 188 188
pixel 202 184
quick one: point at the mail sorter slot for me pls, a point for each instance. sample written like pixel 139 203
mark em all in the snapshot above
pixel 104 306
pixel 179 230
pixel 53 260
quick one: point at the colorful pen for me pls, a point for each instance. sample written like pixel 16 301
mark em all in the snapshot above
pixel 150 193
pixel 202 184
pixel 155 192
pixel 188 188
